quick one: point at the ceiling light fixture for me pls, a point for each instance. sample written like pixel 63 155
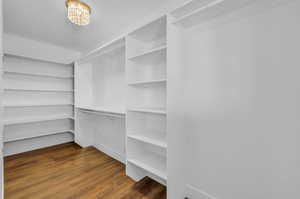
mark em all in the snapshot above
pixel 78 12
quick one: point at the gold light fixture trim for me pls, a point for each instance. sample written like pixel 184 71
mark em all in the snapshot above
pixel 78 12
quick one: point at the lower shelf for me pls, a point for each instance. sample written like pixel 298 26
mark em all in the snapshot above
pixel 38 134
pixel 159 170
pixel 156 142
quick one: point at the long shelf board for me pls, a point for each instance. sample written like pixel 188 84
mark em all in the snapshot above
pixel 148 110
pixel 150 82
pixel 210 10
pixel 39 75
pixel 161 174
pixel 38 135
pixel 149 140
pixel 103 109
pixel 155 50
pixel 36 119
pixel 33 105
pixel 36 90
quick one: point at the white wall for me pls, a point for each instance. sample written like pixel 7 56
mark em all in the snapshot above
pixel 1 108
pixel 234 128
pixel 24 47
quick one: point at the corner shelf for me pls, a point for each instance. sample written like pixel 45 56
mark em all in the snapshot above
pixel 148 140
pixel 36 119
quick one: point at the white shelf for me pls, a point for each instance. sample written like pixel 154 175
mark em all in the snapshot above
pixel 149 140
pixel 40 134
pixel 143 164
pixel 104 109
pixel 151 31
pixel 149 110
pixel 36 90
pixel 29 105
pixel 190 15
pixel 148 83
pixel 149 52
pixel 36 119
pixel 39 75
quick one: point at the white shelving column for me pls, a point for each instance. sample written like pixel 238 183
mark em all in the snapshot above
pixel 146 145
pixel 38 104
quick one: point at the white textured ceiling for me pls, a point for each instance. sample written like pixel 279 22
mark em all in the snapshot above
pixel 45 20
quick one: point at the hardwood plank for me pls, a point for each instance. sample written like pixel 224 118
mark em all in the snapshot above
pixel 68 171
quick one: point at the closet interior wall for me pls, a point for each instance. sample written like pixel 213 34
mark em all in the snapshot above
pixel 38 104
pixel 100 91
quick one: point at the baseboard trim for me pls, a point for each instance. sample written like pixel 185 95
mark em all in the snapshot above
pixel 108 151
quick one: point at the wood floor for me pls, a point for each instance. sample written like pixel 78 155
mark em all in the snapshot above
pixel 69 172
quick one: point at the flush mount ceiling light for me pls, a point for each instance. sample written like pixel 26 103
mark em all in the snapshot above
pixel 78 12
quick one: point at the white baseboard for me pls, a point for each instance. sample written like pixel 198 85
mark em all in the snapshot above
pixel 111 153
pixel 21 146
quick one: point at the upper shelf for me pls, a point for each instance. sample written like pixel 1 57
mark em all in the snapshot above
pixel 198 11
pixel 151 31
pixel 105 49
pixel 160 49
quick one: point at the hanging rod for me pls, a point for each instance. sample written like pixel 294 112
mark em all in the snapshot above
pixel 102 113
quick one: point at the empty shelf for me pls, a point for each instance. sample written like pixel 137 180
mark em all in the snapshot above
pixel 148 83
pixel 149 110
pixel 36 119
pixel 36 90
pixel 160 172
pixel 155 50
pixel 39 75
pixel 38 134
pixel 149 140
pixel 28 105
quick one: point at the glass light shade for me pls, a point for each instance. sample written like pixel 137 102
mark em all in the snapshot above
pixel 78 12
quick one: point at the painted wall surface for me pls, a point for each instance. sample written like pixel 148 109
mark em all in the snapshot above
pixel 24 47
pixel 234 126
pixel 1 108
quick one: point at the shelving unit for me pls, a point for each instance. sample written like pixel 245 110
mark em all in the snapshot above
pixel 146 108
pixel 100 89
pixel 38 103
